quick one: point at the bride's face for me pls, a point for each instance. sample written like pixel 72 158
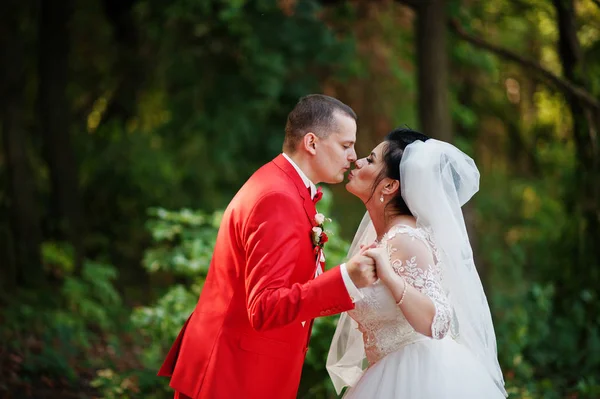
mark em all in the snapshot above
pixel 362 178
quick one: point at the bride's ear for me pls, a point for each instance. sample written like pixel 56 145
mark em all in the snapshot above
pixel 391 187
pixel 309 142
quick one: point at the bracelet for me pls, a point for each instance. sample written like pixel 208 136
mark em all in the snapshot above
pixel 403 292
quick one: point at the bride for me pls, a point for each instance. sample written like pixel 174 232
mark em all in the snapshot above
pixel 424 330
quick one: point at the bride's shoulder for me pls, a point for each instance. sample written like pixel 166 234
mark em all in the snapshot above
pixel 405 239
pixel 399 230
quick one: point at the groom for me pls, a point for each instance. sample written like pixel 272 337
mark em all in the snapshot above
pixel 248 336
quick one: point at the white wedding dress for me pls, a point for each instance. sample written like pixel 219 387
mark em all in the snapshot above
pixel 402 363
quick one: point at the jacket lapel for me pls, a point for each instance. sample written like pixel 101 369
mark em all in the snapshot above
pixel 286 166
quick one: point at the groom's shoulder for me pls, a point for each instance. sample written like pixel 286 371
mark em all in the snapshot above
pixel 270 174
pixel 270 180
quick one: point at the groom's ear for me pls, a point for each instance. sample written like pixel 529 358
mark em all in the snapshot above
pixel 391 187
pixel 310 142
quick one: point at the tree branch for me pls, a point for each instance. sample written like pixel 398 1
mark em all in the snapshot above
pixel 562 84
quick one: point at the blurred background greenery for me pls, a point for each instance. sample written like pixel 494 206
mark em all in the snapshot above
pixel 127 125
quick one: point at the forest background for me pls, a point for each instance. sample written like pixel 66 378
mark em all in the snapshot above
pixel 127 125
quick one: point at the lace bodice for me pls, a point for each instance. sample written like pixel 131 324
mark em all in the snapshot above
pixel 381 321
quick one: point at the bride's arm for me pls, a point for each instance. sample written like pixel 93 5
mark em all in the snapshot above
pixel 406 268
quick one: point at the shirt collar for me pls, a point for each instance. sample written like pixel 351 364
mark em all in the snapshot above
pixel 306 180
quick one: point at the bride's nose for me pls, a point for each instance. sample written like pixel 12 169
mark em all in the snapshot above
pixel 359 163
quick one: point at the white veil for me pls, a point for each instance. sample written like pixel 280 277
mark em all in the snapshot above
pixel 437 179
pixel 346 359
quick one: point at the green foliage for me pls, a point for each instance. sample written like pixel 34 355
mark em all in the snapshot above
pixel 58 257
pixel 521 323
pixel 113 385
pixel 55 331
pixel 183 241
pixel 182 247
pixel 547 329
pixel 93 297
pixel 230 82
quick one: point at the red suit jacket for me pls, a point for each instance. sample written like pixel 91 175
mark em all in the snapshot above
pixel 248 335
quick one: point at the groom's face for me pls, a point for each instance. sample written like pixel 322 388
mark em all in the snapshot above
pixel 336 153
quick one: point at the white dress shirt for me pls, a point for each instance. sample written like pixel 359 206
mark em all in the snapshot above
pixel 354 292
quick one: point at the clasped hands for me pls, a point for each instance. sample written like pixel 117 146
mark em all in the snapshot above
pixel 368 265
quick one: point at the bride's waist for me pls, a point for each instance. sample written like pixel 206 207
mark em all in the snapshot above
pixel 395 343
pixel 386 341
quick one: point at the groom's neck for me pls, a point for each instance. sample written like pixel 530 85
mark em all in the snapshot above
pixel 304 162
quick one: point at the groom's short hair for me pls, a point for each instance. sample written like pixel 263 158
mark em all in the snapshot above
pixel 313 113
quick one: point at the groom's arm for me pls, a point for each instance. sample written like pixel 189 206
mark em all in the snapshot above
pixel 273 240
pixel 352 289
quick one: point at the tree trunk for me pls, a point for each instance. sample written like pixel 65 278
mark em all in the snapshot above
pixel 432 70
pixel 131 68
pixel 24 215
pixel 585 196
pixel 53 109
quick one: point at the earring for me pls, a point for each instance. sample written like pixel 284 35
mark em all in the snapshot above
pixel 381 198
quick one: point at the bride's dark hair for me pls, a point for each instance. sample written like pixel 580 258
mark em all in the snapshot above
pixel 397 140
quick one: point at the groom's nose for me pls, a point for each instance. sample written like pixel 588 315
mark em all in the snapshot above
pixel 352 157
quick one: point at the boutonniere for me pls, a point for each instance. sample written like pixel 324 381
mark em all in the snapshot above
pixel 319 235
pixel 318 195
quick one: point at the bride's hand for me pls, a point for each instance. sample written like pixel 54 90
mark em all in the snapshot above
pixel 382 263
pixel 364 248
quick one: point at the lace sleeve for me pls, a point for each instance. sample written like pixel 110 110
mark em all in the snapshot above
pixel 412 258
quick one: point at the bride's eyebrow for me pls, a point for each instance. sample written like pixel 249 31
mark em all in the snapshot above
pixel 373 155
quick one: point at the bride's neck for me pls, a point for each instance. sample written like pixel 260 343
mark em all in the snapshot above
pixel 383 223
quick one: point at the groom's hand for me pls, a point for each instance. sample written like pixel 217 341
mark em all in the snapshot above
pixel 361 270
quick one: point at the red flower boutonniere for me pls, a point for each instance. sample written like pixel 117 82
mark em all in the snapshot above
pixel 318 195
pixel 319 235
